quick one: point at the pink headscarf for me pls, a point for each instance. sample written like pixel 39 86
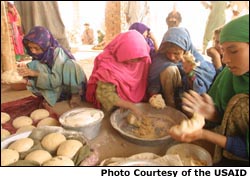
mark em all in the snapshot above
pixel 130 78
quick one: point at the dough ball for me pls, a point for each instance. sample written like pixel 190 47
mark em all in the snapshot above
pixel 59 161
pixel 25 128
pixel 4 133
pixel 52 141
pixel 22 145
pixel 69 148
pixel 157 101
pixel 9 156
pixel 39 156
pixel 39 114
pixel 189 126
pixel 49 121
pixel 22 121
pixel 131 119
pixel 5 117
pixel 11 76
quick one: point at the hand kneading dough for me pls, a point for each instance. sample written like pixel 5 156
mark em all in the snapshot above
pixel 22 145
pixel 189 126
pixel 39 156
pixel 131 119
pixel 9 156
pixel 157 101
pixel 22 121
pixel 69 148
pixel 59 161
pixel 52 141
pixel 39 114
pixel 11 76
pixel 25 128
pixel 4 133
pixel 49 121
pixel 5 117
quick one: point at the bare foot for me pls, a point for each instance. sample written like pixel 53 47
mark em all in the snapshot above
pixel 75 101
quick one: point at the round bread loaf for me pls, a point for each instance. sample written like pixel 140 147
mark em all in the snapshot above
pixel 49 121
pixel 39 156
pixel 39 114
pixel 4 133
pixel 25 128
pixel 22 121
pixel 8 156
pixel 69 148
pixel 22 145
pixel 5 117
pixel 52 141
pixel 59 161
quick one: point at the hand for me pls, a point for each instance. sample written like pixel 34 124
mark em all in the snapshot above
pixel 202 104
pixel 24 71
pixel 187 137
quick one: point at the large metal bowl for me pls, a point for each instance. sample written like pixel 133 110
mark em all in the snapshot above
pixel 191 154
pixel 166 117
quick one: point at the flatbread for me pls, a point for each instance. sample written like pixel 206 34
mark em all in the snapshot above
pixel 39 114
pixel 157 101
pixel 25 128
pixel 49 121
pixel 59 161
pixel 8 156
pixel 69 148
pixel 22 145
pixel 52 141
pixel 39 156
pixel 5 117
pixel 4 133
pixel 22 121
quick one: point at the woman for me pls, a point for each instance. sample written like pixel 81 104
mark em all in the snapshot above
pixel 53 71
pixel 166 73
pixel 227 102
pixel 119 76
pixel 145 31
pixel 215 52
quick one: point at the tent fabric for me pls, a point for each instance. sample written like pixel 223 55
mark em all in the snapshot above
pixel 43 13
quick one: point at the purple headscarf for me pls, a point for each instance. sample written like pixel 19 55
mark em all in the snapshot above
pixel 141 28
pixel 42 37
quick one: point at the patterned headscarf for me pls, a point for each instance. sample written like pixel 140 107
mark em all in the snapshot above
pixel 232 33
pixel 42 37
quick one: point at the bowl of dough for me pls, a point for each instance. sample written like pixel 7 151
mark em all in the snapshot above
pixel 191 154
pixel 86 120
pixel 152 129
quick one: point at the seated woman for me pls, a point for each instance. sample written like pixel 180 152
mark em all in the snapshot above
pixel 227 102
pixel 166 70
pixel 53 72
pixel 145 31
pixel 119 76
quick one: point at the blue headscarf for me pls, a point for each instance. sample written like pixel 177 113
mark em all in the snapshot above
pixel 42 37
pixel 180 36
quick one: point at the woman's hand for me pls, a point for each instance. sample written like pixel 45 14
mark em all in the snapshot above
pixel 24 71
pixel 187 137
pixel 202 104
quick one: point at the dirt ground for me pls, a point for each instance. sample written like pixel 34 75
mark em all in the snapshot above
pixel 109 143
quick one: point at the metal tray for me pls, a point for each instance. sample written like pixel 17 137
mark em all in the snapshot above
pixel 166 117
